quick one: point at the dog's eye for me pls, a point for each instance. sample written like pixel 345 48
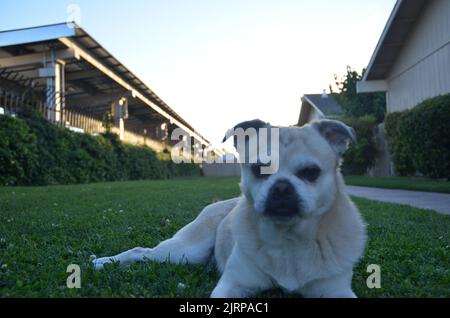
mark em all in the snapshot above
pixel 309 173
pixel 256 170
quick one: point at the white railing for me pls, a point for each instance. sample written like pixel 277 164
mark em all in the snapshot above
pixel 74 119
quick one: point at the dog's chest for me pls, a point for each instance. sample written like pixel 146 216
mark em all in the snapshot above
pixel 291 266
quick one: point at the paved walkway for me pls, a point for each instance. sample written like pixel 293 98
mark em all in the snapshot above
pixel 439 202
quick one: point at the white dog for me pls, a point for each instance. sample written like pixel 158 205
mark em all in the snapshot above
pixel 296 228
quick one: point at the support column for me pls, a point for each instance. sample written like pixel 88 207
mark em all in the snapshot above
pixel 121 129
pixel 54 71
pixel 119 111
pixel 60 97
pixel 63 91
pixel 49 72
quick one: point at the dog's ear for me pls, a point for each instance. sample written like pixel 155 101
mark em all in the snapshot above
pixel 336 133
pixel 255 123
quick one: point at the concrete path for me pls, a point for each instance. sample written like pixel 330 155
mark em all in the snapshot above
pixel 440 202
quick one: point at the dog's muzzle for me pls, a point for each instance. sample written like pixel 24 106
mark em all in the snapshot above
pixel 282 200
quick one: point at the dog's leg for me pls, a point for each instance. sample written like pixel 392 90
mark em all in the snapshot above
pixel 334 287
pixel 192 244
pixel 241 278
pixel 174 250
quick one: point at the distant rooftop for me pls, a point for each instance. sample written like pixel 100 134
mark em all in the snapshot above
pixel 325 103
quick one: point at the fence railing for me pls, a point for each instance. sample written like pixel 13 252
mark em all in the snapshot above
pixel 74 119
pixel 10 102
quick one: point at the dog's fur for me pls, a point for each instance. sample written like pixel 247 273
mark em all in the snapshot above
pixel 260 241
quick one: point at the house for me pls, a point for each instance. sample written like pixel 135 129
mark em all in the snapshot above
pixel 316 106
pixel 412 59
pixel 411 62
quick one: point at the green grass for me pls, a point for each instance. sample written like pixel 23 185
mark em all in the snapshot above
pixel 405 183
pixel 44 229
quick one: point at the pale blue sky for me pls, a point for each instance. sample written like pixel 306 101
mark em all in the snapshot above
pixel 221 62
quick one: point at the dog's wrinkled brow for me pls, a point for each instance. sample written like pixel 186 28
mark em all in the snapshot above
pixel 301 163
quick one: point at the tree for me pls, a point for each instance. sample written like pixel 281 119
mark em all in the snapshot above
pixel 358 105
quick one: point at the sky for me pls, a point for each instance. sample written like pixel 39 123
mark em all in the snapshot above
pixel 218 63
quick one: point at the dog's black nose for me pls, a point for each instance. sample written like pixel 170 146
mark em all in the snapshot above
pixel 283 188
pixel 282 200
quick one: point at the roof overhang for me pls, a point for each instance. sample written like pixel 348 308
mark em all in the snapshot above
pixel 395 34
pixel 37 34
pixel 371 86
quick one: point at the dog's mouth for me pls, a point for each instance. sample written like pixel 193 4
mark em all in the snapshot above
pixel 281 211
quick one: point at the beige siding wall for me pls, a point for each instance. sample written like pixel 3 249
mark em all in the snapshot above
pixel 423 68
pixel 221 169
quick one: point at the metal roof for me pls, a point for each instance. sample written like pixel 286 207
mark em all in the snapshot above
pixel 400 23
pixel 86 83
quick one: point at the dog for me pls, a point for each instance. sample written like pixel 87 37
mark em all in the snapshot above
pixel 294 229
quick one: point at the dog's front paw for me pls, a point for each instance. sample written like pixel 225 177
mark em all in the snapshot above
pixel 225 291
pixel 100 262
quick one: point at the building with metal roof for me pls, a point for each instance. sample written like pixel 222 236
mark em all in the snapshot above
pixel 79 80
pixel 317 106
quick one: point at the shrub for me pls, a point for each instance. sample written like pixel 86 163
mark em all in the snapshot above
pixel 18 151
pixel 360 156
pixel 180 169
pixel 419 139
pixel 398 149
pixel 35 152
pixel 141 163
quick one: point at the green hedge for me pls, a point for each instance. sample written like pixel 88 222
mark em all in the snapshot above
pixel 396 134
pixel 360 156
pixel 35 152
pixel 18 151
pixel 419 138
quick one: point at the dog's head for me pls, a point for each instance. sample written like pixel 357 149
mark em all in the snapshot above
pixel 300 179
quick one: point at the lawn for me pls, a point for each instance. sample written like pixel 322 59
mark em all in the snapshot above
pixel 44 229
pixel 405 183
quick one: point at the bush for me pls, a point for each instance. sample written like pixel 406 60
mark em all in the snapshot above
pixel 140 163
pixel 183 169
pixel 419 139
pixel 360 156
pixel 398 149
pixel 18 151
pixel 35 152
